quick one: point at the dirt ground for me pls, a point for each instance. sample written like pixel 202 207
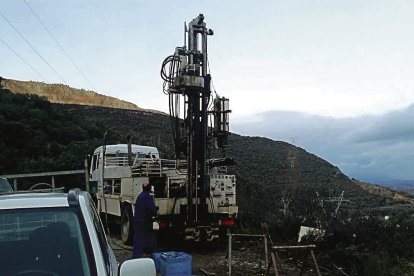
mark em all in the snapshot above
pixel 211 259
pixel 248 257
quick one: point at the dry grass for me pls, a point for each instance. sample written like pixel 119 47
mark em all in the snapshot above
pixel 59 93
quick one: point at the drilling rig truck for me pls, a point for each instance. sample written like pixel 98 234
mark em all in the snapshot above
pixel 194 193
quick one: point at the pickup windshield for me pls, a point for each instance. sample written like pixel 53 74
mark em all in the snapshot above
pixel 43 241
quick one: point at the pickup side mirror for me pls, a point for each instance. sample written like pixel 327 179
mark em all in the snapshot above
pixel 143 266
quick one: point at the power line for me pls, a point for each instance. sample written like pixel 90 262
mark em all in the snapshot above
pixel 28 64
pixel 21 35
pixel 60 46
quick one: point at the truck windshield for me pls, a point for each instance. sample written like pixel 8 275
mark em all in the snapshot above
pixel 44 241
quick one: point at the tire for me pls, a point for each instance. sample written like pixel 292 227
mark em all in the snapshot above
pixel 127 232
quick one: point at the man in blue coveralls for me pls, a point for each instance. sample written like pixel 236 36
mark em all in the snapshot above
pixel 145 210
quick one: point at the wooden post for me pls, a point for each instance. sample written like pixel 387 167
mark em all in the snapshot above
pixel 308 248
pixel 279 262
pixel 314 261
pixel 53 182
pixel 15 184
pixel 274 264
pixel 229 255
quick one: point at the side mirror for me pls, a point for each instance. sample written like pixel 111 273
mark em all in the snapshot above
pixel 143 266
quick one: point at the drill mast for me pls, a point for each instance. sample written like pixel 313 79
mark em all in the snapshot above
pixel 186 74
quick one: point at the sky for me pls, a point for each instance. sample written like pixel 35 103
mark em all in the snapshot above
pixel 333 77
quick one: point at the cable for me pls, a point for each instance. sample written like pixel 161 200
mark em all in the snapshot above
pixel 28 64
pixel 209 71
pixel 31 46
pixel 168 77
pixel 212 83
pixel 172 62
pixel 60 46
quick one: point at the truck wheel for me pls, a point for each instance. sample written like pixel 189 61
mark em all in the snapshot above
pixel 127 232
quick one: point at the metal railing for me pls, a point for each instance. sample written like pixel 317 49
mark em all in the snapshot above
pixel 147 167
pixel 15 177
pixel 116 161
pixel 246 236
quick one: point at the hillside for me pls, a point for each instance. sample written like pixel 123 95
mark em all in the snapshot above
pixel 266 169
pixel 258 159
pixel 35 137
pixel 262 165
pixel 59 93
pixel 404 186
pixel 389 194
pixel 40 136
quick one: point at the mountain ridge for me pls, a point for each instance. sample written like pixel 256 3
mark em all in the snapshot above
pixel 262 164
pixel 279 184
pixel 64 94
pixel 258 159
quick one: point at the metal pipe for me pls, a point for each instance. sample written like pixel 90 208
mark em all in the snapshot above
pixel 247 235
pixel 266 253
pixel 229 254
pixel 196 193
pixel 103 175
pixel 85 164
pixel 204 52
pixel 129 138
pixel 293 247
pixel 190 172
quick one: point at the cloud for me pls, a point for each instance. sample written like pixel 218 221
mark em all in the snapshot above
pixel 370 148
pixel 393 127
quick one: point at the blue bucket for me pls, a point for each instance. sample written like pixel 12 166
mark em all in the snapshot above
pixel 156 257
pixel 175 264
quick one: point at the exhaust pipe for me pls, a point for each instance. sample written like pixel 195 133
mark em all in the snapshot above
pixel 129 138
